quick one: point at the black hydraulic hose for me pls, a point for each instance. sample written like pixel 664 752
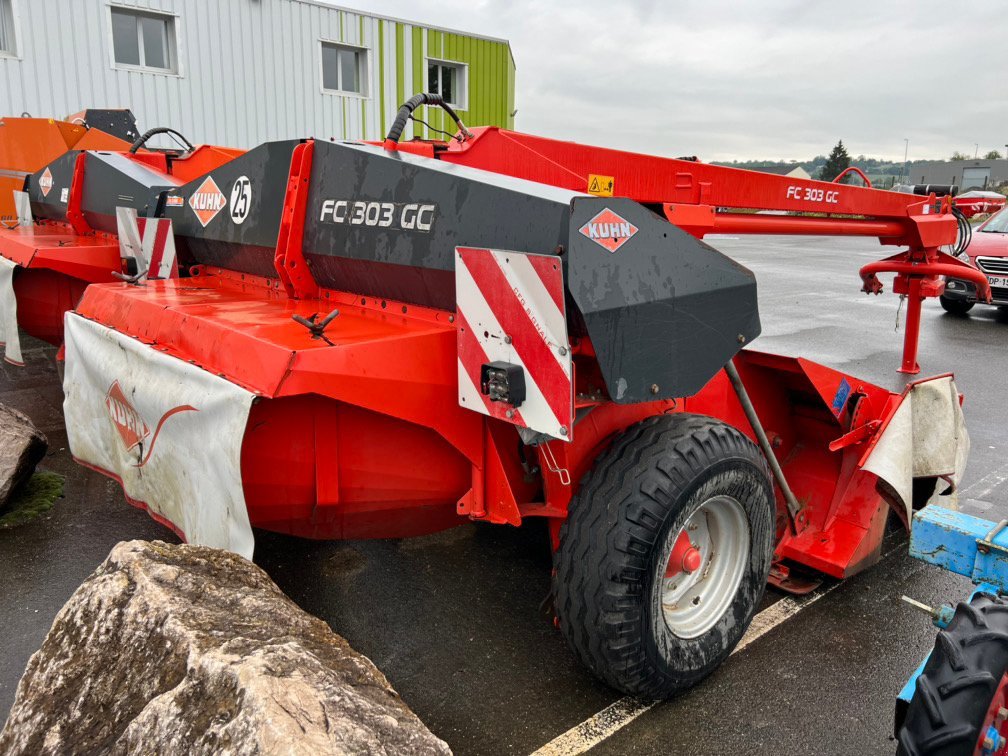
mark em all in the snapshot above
pixel 965 230
pixel 142 140
pixel 414 102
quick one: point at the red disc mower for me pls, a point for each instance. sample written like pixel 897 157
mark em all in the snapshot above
pixel 385 340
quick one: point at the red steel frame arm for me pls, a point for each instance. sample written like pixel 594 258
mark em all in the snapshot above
pixel 654 180
pixel 694 195
pixel 289 261
pixel 74 213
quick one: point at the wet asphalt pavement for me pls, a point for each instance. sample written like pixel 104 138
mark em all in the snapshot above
pixel 459 621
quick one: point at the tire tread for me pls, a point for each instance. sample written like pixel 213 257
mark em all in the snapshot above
pixel 958 682
pixel 614 523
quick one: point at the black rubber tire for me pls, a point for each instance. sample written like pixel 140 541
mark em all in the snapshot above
pixel 645 485
pixel 955 306
pixel 958 682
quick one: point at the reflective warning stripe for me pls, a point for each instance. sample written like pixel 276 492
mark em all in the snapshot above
pixel 159 248
pixel 149 241
pixel 546 268
pixel 489 334
pixel 511 309
pixel 471 358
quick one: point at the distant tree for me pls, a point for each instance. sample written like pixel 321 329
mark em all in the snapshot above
pixel 959 156
pixel 992 155
pixel 837 162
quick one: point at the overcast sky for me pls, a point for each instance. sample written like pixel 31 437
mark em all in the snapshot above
pixel 775 79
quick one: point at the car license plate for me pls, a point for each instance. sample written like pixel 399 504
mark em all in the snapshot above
pixel 1000 281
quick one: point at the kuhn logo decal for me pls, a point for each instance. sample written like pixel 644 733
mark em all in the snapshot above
pixel 129 423
pixel 207 201
pixel 609 230
pixel 45 182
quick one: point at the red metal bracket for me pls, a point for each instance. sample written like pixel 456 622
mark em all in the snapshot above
pixel 856 436
pixel 858 171
pixel 290 262
pixel 917 277
pixel 75 215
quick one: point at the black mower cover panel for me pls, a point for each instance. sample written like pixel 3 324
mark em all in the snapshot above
pixel 663 310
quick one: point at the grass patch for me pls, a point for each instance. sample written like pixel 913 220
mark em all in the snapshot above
pixel 31 500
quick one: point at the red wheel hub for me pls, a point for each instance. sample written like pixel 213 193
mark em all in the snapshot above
pixel 994 731
pixel 685 557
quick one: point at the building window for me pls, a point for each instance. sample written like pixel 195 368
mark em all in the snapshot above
pixel 143 40
pixel 344 69
pixel 8 45
pixel 448 80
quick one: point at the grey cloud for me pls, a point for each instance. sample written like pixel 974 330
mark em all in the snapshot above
pixel 775 79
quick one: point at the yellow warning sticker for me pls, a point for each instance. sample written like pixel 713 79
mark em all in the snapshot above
pixel 601 186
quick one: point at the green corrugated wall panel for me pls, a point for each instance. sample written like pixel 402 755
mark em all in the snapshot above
pixel 381 73
pixel 490 86
pixel 435 49
pixel 363 102
pixel 452 51
pixel 400 69
pixel 510 92
pixel 418 72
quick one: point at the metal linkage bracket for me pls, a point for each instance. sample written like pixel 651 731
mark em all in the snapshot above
pixel 961 543
pixel 918 275
pixel 291 265
pixel 315 326
pixel 74 211
pixel 985 544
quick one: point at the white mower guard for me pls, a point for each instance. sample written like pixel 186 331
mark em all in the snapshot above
pixel 169 431
pixel 925 437
pixel 9 338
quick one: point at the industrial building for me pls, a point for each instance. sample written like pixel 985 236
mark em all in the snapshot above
pixel 241 72
pixel 966 174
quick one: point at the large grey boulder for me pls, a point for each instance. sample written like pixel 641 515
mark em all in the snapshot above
pixel 190 650
pixel 22 446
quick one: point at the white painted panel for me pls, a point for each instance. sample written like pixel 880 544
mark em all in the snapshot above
pixel 9 338
pixel 926 437
pixel 145 418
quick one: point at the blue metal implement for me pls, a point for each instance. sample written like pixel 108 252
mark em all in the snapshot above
pixel 906 693
pixel 960 543
pixel 963 544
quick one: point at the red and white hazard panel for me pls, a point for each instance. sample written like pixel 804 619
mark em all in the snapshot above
pixel 149 241
pixel 514 362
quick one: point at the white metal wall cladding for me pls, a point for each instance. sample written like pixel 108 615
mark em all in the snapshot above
pixel 9 338
pixel 242 78
pixel 511 309
pixel 249 70
pixel 171 432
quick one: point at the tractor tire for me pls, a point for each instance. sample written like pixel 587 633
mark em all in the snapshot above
pixel 660 481
pixel 948 708
pixel 955 306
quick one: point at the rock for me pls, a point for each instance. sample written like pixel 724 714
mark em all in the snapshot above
pixel 22 446
pixel 189 650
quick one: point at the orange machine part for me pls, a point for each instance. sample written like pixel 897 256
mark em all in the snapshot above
pixel 28 144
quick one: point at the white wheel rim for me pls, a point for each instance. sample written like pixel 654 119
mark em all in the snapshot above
pixel 693 602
